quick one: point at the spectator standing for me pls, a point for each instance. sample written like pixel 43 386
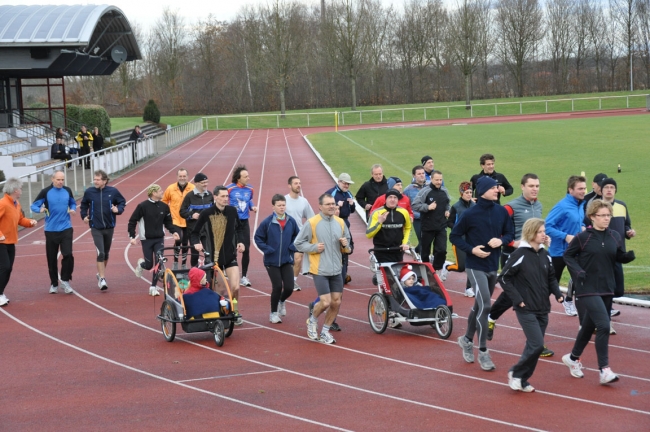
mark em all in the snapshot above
pixel 152 217
pixel 85 140
pixel 528 279
pixel 219 232
pixel 58 204
pixel 433 203
pixel 100 206
pixel 241 197
pixel 370 190
pixel 173 197
pixel 11 215
pixel 591 258
pixel 564 221
pixel 195 201
pixel 411 191
pixel 482 242
pixel 487 164
pixel 300 210
pixel 98 140
pixel 324 237
pixel 274 237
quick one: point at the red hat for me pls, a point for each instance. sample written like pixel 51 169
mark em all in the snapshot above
pixel 406 272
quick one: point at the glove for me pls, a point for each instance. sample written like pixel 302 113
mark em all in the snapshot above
pixel 630 255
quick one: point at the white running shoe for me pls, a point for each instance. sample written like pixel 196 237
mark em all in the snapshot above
pixel 66 287
pixel 615 312
pixel 296 287
pixel 443 273
pixel 282 309
pixel 607 376
pixel 312 329
pixel 275 318
pixel 569 308
pixel 102 284
pixel 245 281
pixel 54 289
pixel 3 300
pixel 153 291
pixel 138 268
pixel 611 329
pixel 327 338
pixel 574 366
pixel 469 292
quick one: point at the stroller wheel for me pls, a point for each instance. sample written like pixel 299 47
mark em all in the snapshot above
pixel 378 313
pixel 374 280
pixel 219 337
pixel 444 324
pixel 230 328
pixel 168 327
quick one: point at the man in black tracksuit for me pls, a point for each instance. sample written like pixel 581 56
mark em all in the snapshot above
pixel 434 204
pixel 151 216
pixel 370 190
pixel 487 165
pixel 193 204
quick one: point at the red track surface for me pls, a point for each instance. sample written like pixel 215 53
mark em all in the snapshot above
pixel 98 359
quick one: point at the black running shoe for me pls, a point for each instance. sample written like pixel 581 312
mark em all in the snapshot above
pixel 335 327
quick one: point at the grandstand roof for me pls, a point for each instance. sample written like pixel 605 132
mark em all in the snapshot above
pixel 55 41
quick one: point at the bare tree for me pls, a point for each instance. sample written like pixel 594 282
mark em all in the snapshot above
pixel 465 34
pixel 170 36
pixel 344 26
pixel 644 37
pixel 561 39
pixel 581 35
pixel 377 34
pixel 624 12
pixel 598 30
pixel 613 49
pixel 520 28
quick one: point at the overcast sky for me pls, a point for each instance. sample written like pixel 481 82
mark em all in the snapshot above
pixel 146 12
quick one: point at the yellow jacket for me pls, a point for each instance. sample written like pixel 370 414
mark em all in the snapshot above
pixel 173 197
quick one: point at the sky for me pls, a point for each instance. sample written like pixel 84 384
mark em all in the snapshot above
pixel 145 12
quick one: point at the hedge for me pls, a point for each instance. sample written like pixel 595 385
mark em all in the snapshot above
pixel 90 115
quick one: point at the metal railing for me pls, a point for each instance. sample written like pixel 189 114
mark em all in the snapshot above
pixel 443 112
pixel 181 133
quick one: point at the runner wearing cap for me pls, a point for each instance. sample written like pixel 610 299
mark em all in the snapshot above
pixel 596 189
pixel 199 199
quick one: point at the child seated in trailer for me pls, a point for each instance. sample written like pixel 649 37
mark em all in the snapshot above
pixel 421 296
pixel 199 298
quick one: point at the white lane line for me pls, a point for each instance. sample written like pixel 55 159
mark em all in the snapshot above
pixel 167 380
pixel 228 376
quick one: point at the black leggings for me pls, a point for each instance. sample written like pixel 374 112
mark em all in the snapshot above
pixel 596 316
pixel 103 240
pixel 246 255
pixel 281 283
pixel 149 249
pixel 559 265
pixel 7 256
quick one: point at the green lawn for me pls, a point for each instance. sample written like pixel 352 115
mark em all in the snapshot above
pixel 552 149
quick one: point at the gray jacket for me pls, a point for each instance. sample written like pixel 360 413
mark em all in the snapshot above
pixel 327 230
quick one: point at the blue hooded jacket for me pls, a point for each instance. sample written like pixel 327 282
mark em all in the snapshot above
pixel 277 243
pixel 96 204
pixel 565 218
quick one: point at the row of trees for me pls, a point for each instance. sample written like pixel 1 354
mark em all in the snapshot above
pixel 349 52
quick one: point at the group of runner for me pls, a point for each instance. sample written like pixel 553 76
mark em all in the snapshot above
pixel 215 225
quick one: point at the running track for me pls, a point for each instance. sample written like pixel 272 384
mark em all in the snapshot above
pixel 96 359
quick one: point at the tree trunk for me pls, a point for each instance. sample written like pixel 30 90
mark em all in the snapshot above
pixel 468 79
pixel 283 107
pixel 353 84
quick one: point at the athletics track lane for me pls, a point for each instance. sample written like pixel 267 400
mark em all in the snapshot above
pixel 292 351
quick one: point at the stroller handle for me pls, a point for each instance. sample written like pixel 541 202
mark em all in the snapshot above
pixel 383 249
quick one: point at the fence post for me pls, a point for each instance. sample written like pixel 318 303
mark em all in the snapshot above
pixel 217 123
pixel 600 103
pixel 546 106
pixel 360 117
pixel 246 122
pixel 572 109
pixel 447 113
pixel 471 110
pixel 402 114
pixel 496 110
pixel 277 120
pixel 307 119
pixel 628 101
pixel 521 109
pixel 425 113
pixel 381 115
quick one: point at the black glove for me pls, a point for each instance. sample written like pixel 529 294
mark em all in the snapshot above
pixel 630 255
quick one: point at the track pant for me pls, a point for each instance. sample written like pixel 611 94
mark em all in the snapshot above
pixel 559 265
pixel 483 283
pixel 439 240
pixel 103 240
pixel 502 304
pixel 83 151
pixel 417 227
pixel 55 240
pixel 534 327
pixel 281 283
pixel 7 256
pixel 596 316
pixel 183 241
pixel 149 249
pixel 246 255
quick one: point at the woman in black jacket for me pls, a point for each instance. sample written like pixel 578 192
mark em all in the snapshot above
pixel 591 257
pixel 528 278
pixel 98 140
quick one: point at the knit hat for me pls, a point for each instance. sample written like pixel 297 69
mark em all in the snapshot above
pixel 392 181
pixel 395 193
pixel 598 178
pixel 152 188
pixel 464 186
pixel 484 184
pixel 608 181
pixel 199 177
pixel 425 159
pixel 345 177
pixel 406 272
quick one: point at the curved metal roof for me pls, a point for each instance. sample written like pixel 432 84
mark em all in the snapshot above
pixel 80 26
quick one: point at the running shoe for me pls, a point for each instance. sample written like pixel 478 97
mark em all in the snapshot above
pixel 615 312
pixel 468 349
pixel 569 308
pixel 275 318
pixel 4 301
pixel 335 327
pixel 469 292
pixel 528 388
pixel 574 366
pixel 102 284
pixel 327 338
pixel 312 329
pixel 491 325
pixel 66 287
pixel 547 352
pixel 138 268
pixel 607 376
pixel 311 308
pixel 282 308
pixel 611 329
pixel 485 361
pixel 245 282
pixel 54 289
pixel 296 287
pixel 153 291
pixel 443 273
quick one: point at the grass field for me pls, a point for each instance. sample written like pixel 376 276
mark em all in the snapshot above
pixel 554 150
